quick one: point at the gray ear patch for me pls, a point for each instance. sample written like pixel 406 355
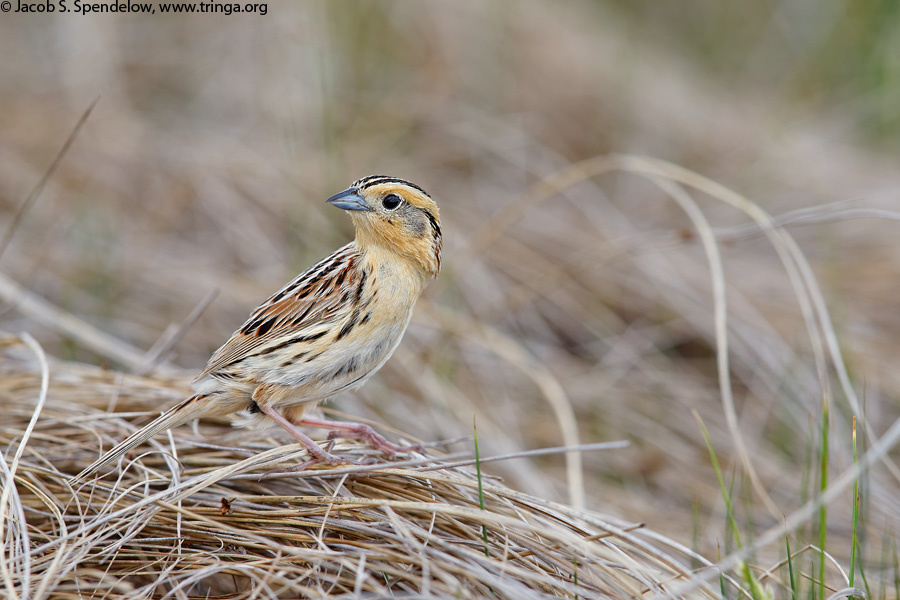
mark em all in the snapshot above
pixel 416 222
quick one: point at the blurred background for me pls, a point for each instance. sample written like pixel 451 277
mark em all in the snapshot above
pixel 216 138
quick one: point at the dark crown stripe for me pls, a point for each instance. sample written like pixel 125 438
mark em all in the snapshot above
pixel 373 180
pixel 361 182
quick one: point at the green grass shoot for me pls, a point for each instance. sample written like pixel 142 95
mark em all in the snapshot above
pixel 484 533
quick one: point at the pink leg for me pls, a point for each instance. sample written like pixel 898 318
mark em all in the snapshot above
pixel 359 431
pixel 318 455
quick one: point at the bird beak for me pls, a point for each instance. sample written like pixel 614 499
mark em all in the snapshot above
pixel 349 199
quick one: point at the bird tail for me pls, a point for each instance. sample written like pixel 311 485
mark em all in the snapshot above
pixel 185 411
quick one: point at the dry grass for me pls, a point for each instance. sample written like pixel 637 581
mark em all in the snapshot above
pixel 585 296
pixel 222 526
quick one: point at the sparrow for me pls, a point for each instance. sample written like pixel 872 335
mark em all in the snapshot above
pixel 323 333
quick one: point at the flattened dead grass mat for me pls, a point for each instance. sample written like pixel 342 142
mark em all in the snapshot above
pixel 222 524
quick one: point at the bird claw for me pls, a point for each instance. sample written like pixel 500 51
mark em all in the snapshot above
pixel 360 431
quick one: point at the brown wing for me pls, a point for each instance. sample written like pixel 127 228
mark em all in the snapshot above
pixel 303 310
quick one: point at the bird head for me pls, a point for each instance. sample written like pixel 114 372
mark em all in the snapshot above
pixel 395 215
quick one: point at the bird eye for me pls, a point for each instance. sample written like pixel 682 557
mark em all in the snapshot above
pixel 391 201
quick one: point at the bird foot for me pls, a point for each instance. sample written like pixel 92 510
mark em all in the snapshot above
pixel 376 440
pixel 344 429
pixel 361 431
